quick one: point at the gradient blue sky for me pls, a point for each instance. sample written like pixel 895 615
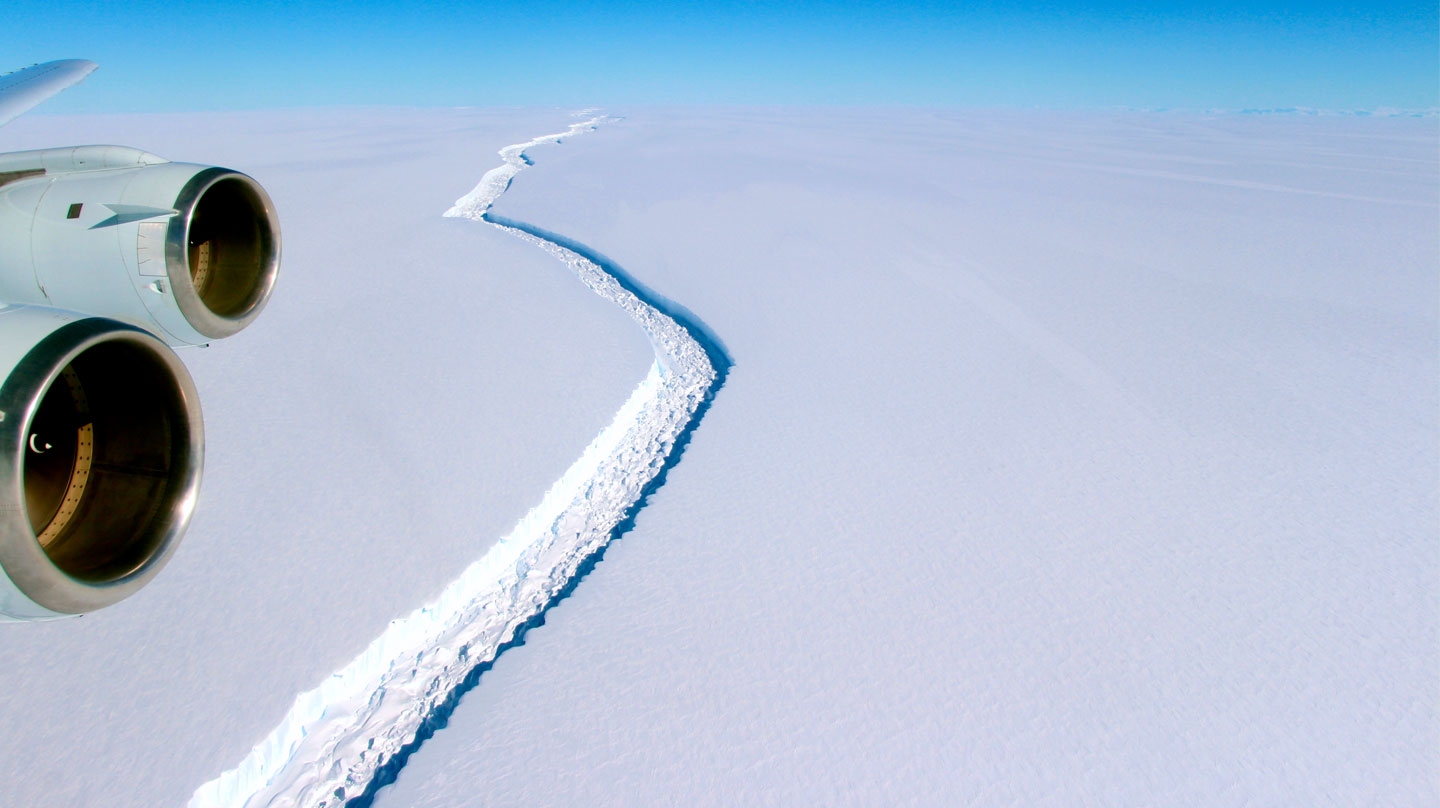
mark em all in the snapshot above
pixel 178 55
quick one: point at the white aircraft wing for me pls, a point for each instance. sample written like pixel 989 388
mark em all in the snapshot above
pixel 23 89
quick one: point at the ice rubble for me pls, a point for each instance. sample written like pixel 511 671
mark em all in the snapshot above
pixel 337 737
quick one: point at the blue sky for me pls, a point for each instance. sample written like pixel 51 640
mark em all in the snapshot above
pixel 177 55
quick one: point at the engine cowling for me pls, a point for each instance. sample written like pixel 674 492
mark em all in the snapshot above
pixel 101 449
pixel 188 251
pixel 108 256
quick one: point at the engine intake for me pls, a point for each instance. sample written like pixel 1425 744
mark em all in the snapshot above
pixel 222 251
pixel 101 447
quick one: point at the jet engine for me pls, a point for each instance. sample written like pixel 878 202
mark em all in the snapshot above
pixel 108 257
pixel 186 250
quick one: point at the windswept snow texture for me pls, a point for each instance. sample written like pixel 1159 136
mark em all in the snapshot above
pixel 360 722
pixel 412 390
pixel 1066 460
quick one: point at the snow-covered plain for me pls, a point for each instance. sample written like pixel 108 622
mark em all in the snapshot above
pixel 1064 459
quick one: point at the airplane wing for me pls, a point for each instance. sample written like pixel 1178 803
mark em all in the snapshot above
pixel 23 89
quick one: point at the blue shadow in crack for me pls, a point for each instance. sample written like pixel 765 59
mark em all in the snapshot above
pixel 714 347
pixel 719 357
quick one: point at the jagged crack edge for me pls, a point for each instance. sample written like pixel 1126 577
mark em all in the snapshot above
pixel 439 718
pixel 280 752
pixel 714 347
pixel 720 362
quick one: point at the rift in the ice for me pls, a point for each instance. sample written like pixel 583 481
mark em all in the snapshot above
pixel 344 740
pixel 719 357
pixel 714 349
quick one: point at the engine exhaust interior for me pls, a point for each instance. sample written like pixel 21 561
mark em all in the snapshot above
pixel 106 461
pixel 231 247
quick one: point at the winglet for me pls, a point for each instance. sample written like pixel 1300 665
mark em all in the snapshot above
pixel 23 89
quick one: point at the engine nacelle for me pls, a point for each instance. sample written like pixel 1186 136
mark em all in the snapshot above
pixel 188 251
pixel 101 447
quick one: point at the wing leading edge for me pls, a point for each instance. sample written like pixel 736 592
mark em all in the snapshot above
pixel 23 89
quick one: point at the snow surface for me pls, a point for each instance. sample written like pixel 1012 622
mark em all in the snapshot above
pixel 1064 459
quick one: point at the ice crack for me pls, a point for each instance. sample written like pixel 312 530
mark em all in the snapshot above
pixel 348 736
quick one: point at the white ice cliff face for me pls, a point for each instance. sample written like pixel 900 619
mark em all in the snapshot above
pixel 336 738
